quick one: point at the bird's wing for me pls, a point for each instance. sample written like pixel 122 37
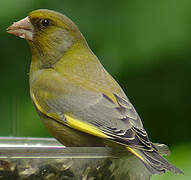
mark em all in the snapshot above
pixel 106 115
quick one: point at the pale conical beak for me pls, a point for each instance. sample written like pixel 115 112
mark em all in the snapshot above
pixel 23 29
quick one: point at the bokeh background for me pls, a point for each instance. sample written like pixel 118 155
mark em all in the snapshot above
pixel 145 45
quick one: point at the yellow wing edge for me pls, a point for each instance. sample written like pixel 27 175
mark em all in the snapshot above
pixel 80 125
pixel 135 153
pixel 84 127
pixel 72 122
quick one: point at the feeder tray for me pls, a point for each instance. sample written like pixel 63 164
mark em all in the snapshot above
pixel 47 159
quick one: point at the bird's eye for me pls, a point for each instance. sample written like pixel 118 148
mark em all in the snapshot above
pixel 45 22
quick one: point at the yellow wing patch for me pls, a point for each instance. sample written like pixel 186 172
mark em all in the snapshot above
pixel 72 122
pixel 51 115
pixel 84 127
pixel 36 104
pixel 80 125
pixel 135 153
pixel 112 97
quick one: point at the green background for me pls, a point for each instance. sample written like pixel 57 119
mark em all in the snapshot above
pixel 145 45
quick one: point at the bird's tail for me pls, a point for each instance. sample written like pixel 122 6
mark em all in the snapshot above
pixel 154 162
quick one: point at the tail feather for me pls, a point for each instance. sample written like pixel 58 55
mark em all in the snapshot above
pixel 154 162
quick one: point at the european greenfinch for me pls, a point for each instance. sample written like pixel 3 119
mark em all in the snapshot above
pixel 77 99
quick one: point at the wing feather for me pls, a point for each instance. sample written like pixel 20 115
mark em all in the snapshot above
pixel 106 115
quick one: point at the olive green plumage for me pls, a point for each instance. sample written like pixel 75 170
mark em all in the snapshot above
pixel 77 99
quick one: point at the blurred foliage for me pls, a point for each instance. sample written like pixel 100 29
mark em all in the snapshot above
pixel 145 45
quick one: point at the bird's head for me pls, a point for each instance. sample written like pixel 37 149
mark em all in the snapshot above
pixel 49 33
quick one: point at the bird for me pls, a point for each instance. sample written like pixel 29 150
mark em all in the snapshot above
pixel 78 101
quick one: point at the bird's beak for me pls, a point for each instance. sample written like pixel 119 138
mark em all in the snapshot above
pixel 23 29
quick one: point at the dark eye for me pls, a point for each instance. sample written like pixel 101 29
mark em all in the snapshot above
pixel 45 22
